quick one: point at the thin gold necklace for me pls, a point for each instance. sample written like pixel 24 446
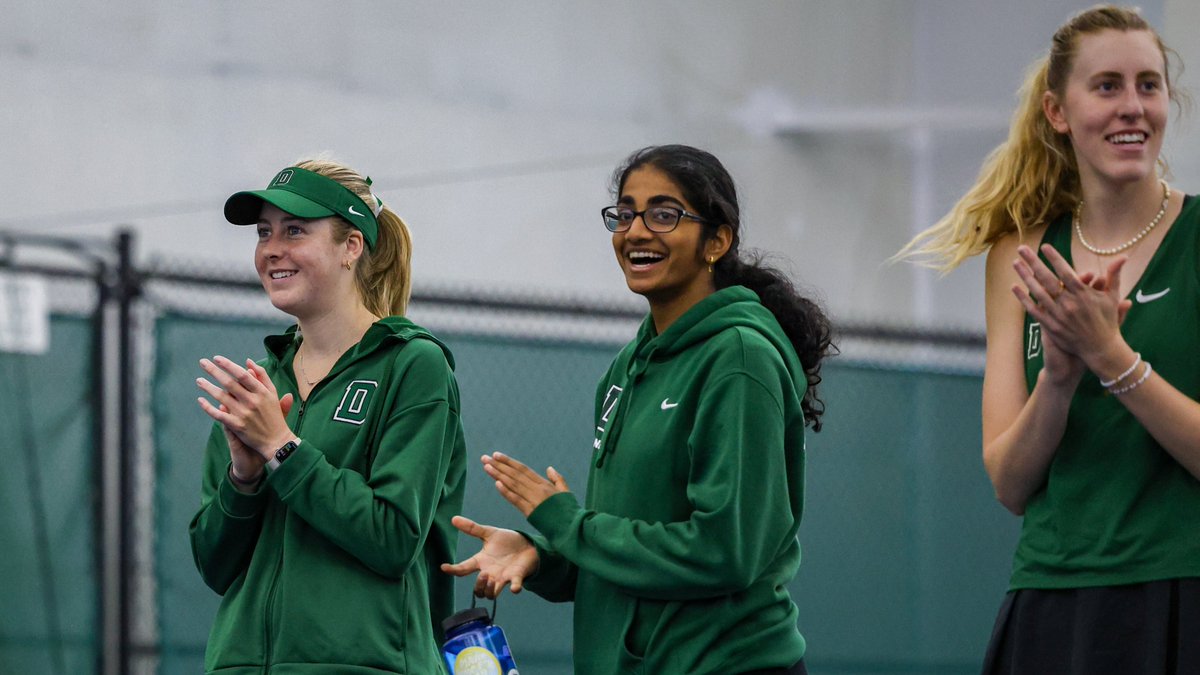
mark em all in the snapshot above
pixel 300 353
pixel 1136 238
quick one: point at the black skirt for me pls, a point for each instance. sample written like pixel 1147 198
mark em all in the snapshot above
pixel 1139 629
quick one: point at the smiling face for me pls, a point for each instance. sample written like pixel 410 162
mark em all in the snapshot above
pixel 668 268
pixel 301 266
pixel 1114 107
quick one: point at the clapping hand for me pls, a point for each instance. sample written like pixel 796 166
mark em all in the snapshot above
pixel 520 485
pixel 249 409
pixel 506 558
pixel 1078 313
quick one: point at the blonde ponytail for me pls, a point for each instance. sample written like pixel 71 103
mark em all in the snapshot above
pixel 1032 177
pixel 383 275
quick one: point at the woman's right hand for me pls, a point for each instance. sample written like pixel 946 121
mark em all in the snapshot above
pixel 246 463
pixel 1083 312
pixel 1061 368
pixel 506 558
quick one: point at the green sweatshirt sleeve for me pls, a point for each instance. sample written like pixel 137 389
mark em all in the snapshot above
pixel 743 512
pixel 225 529
pixel 555 576
pixel 383 521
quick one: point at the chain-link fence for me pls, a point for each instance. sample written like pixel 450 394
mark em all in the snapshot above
pixel 905 552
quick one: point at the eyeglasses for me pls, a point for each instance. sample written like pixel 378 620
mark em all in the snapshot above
pixel 659 219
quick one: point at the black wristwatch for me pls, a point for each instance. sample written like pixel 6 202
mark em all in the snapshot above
pixel 282 454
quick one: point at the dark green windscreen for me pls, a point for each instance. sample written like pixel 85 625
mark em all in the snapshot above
pixel 906 553
pixel 49 619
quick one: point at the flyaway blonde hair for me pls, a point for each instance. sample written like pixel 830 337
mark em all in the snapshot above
pixel 1031 178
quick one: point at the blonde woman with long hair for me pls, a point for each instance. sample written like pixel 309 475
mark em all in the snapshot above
pixel 1091 426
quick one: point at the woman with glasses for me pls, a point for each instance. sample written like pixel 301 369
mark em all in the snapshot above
pixel 334 466
pixel 1091 426
pixel 679 559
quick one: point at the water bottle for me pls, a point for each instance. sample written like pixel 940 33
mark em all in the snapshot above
pixel 476 646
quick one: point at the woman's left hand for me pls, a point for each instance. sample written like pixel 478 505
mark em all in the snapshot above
pixel 1083 314
pixel 248 403
pixel 520 485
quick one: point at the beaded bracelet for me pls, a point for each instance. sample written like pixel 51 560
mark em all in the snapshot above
pixel 1132 385
pixel 1109 383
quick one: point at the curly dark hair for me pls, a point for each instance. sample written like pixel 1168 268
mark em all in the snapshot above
pixel 708 188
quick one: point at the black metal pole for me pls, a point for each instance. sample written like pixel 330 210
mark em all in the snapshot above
pixel 127 292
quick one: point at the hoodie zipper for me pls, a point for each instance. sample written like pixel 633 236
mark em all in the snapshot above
pixel 270 607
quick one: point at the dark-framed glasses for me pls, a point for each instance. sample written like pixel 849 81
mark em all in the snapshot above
pixel 659 219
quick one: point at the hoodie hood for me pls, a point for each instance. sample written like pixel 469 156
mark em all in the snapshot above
pixel 283 347
pixel 735 307
pixel 732 307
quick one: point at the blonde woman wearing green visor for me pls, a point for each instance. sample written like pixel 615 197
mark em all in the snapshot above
pixel 335 463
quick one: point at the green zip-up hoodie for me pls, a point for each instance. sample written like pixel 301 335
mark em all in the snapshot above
pixel 332 565
pixel 679 560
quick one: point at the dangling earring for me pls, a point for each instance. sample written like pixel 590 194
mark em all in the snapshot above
pixel 711 260
pixel 346 264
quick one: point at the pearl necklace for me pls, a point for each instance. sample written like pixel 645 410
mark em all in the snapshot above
pixel 1162 210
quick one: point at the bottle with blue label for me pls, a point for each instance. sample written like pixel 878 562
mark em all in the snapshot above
pixel 475 645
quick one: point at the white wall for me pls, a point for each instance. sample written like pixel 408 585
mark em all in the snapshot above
pixel 493 127
pixel 1179 33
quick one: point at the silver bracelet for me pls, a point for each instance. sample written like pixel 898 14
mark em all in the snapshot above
pixel 1132 385
pixel 1109 383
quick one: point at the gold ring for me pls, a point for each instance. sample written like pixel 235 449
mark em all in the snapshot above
pixel 1061 288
